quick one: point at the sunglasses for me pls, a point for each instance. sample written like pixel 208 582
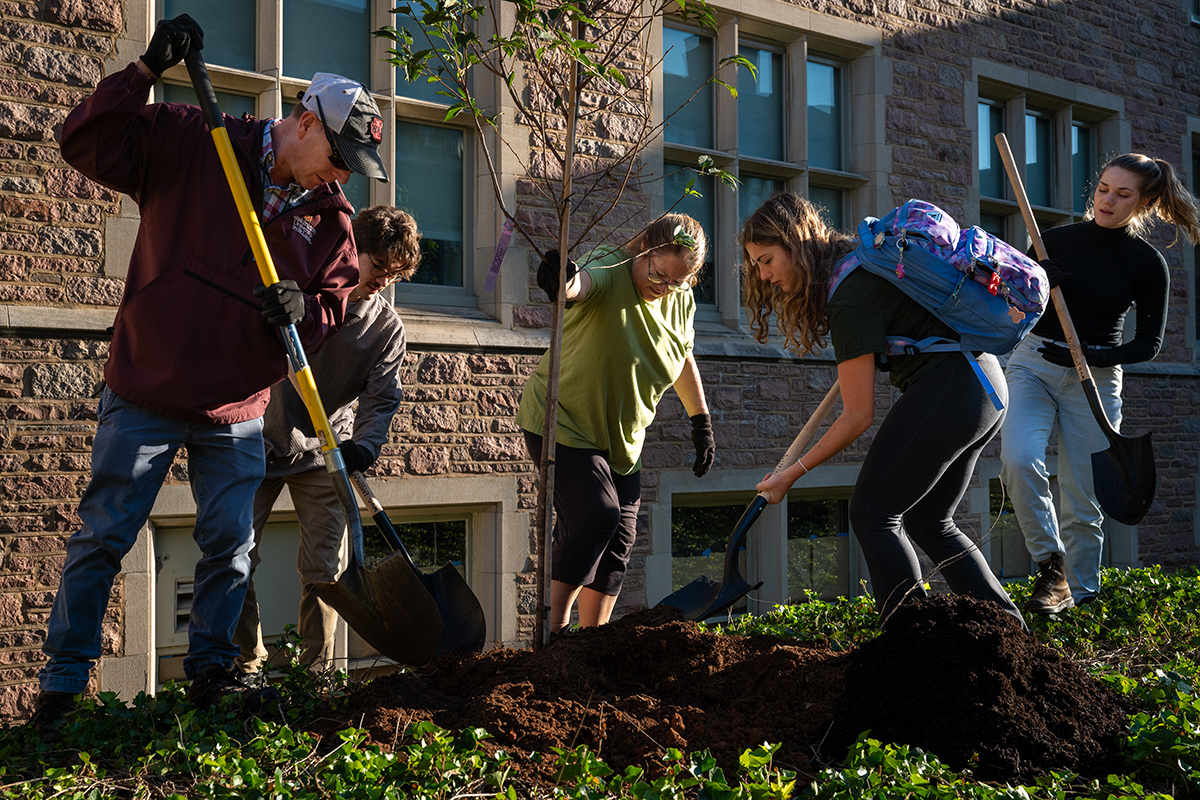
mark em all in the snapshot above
pixel 335 156
pixel 673 286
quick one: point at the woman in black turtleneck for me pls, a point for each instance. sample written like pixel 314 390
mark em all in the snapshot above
pixel 1104 268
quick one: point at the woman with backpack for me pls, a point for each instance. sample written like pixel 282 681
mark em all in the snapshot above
pixel 1115 269
pixel 627 338
pixel 921 460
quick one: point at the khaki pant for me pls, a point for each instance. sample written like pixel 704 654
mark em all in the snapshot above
pixel 322 528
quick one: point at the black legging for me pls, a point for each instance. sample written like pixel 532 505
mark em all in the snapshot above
pixel 595 521
pixel 915 475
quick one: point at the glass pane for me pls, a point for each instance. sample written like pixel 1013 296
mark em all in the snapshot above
pixel 431 544
pixel 824 115
pixel 991 169
pixel 699 537
pixel 1081 166
pixel 701 209
pixel 429 185
pixel 753 192
pixel 818 540
pixel 687 67
pixel 992 223
pixel 830 203
pixel 232 104
pixel 228 26
pixel 420 89
pixel 327 36
pixel 760 105
pixel 1038 160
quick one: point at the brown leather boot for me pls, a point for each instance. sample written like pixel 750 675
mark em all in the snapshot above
pixel 1051 593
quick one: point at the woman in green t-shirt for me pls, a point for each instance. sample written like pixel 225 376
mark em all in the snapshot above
pixel 627 338
pixel 923 455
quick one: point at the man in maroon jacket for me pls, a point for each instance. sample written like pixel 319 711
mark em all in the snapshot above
pixel 195 347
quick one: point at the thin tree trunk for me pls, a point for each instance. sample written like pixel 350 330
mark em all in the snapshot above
pixel 545 501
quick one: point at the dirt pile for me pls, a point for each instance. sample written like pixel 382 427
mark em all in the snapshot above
pixel 959 678
pixel 953 675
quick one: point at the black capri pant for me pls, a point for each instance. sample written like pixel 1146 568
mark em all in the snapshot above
pixel 595 517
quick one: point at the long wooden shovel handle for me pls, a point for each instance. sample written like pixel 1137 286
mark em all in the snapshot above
pixel 1039 247
pixel 1060 304
pixel 807 432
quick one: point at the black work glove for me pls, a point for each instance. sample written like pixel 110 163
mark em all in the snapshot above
pixel 1055 272
pixel 358 458
pixel 547 276
pixel 172 40
pixel 706 446
pixel 283 302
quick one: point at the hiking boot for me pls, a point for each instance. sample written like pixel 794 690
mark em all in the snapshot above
pixel 214 682
pixel 1051 593
pixel 49 710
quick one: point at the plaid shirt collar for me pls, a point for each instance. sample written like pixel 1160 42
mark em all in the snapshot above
pixel 276 199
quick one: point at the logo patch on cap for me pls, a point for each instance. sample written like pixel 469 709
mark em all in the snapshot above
pixel 377 130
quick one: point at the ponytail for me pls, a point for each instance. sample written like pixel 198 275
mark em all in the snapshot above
pixel 1169 199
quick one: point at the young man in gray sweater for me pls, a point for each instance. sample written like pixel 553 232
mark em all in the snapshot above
pixel 362 363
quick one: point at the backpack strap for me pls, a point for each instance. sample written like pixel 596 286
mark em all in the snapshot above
pixel 840 271
pixel 900 346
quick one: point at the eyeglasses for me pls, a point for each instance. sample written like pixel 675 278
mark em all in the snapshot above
pixel 383 271
pixel 672 286
pixel 335 157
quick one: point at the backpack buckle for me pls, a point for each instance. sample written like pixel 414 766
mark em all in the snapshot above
pixel 911 350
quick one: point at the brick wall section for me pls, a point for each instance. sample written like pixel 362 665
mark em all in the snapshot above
pixel 458 409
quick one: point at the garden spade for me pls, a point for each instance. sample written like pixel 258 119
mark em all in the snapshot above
pixel 464 626
pixel 1124 474
pixel 388 606
pixel 704 597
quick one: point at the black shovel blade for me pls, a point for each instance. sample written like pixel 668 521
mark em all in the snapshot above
pixel 703 597
pixel 1124 478
pixel 464 626
pixel 389 607
pixel 692 599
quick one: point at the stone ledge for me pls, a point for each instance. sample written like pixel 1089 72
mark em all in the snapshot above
pixel 467 328
pixel 56 319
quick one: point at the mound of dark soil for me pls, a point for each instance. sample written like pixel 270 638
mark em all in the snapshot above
pixel 958 677
pixel 951 675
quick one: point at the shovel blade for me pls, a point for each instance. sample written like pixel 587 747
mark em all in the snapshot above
pixel 1125 479
pixel 692 599
pixel 464 627
pixel 390 609
pixel 730 593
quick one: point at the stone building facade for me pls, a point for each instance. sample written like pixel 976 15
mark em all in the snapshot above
pixel 862 105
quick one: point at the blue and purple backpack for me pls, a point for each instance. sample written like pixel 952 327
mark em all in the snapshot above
pixel 989 292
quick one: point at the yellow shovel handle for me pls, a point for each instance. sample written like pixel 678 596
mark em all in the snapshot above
pixel 303 378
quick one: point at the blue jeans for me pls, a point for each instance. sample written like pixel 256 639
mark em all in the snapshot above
pixel 1039 393
pixel 131 456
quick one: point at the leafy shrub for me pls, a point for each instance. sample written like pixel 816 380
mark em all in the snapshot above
pixel 1141 637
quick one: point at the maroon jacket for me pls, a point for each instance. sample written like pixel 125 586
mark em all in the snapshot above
pixel 189 340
